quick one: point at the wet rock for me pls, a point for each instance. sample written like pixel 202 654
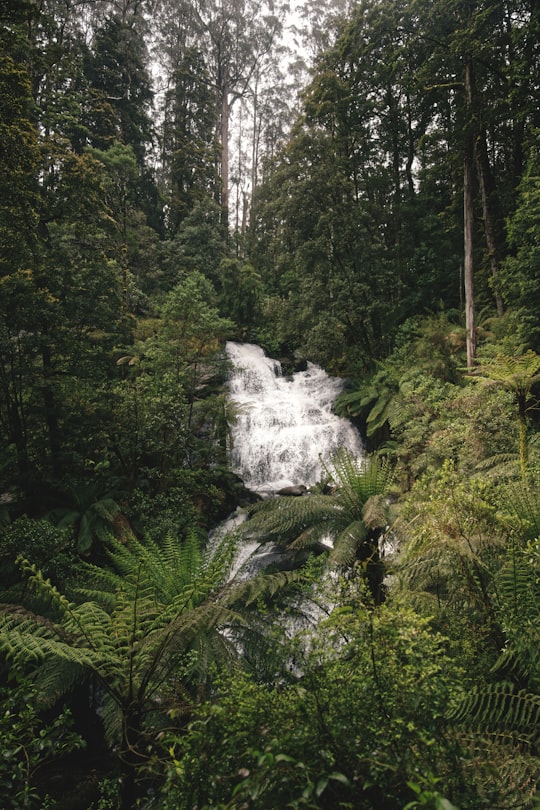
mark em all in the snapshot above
pixel 298 489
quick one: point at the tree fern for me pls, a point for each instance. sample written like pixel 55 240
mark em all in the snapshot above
pixel 511 706
pixel 349 519
pixel 518 588
pixel 523 504
pixel 146 630
pixel 518 375
pixel 91 514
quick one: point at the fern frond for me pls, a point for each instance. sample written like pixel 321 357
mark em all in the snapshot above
pixel 55 678
pixel 500 467
pixel 262 586
pixel 282 520
pixel 523 501
pixel 157 617
pixel 501 708
pixel 346 545
pixel 218 560
pixel 28 643
pixel 358 480
pixel 375 512
pixel 509 664
pixel 111 714
pixel 520 372
pixel 519 588
pixel 42 586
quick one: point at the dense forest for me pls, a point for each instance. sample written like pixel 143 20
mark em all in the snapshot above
pixel 356 184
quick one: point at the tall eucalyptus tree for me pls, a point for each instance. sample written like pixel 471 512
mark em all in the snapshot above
pixel 189 145
pixel 117 69
pixel 349 210
pixel 481 59
pixel 520 273
pixel 234 38
pixel 408 140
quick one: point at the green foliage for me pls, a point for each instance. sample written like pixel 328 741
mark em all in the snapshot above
pixel 428 796
pixel 146 631
pixel 511 706
pixel 502 709
pixel 426 348
pixel 192 326
pixel 417 408
pixel 29 746
pixel 365 717
pixel 520 272
pixel 167 413
pixel 469 560
pixel 19 162
pixel 118 74
pixel 50 548
pixel 199 245
pixel 519 375
pixel 189 137
pixel 452 544
pixel 240 289
pixel 92 516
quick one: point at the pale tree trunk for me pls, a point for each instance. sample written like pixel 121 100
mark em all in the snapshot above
pixel 492 226
pixel 224 135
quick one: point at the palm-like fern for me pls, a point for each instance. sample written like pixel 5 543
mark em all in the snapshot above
pixel 511 706
pixel 91 515
pixel 352 516
pixel 143 630
pixel 518 375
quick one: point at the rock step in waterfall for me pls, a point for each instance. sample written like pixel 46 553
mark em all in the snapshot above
pixel 285 428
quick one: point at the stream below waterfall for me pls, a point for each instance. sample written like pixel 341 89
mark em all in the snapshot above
pixel 285 426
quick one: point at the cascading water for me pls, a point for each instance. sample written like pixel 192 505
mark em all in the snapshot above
pixel 285 430
pixel 285 426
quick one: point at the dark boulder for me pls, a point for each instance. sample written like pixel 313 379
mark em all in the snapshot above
pixel 298 489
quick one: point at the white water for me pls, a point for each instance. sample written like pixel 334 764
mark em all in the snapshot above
pixel 285 426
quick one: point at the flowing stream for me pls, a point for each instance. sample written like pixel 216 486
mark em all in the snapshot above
pixel 285 426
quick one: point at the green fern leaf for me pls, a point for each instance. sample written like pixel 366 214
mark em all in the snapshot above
pixel 501 708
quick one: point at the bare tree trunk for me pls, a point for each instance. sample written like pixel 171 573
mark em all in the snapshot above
pixel 468 224
pixel 468 263
pixel 224 135
pixel 492 226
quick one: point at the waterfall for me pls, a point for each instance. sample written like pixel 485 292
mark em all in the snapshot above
pixel 285 427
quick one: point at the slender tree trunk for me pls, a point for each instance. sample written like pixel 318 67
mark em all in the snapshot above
pixel 224 135
pixel 468 263
pixel 51 416
pixel 18 436
pixel 369 556
pixel 468 228
pixel 492 225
